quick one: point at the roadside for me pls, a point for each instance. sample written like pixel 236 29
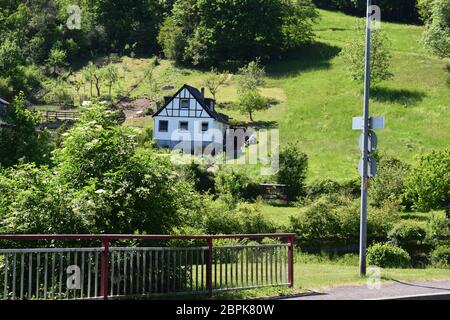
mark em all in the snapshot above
pixel 392 290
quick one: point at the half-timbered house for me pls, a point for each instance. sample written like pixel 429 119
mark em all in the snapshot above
pixel 188 120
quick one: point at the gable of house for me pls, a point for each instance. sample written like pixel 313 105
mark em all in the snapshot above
pixel 189 102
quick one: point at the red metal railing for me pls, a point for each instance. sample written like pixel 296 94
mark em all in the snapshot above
pixel 179 270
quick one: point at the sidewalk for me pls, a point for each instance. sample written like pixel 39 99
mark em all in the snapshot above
pixel 396 290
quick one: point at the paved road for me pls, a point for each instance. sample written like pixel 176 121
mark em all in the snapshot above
pixel 393 290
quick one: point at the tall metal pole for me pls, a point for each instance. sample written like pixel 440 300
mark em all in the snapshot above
pixel 365 152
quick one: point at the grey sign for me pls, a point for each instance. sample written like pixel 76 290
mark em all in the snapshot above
pixel 371 169
pixel 373 142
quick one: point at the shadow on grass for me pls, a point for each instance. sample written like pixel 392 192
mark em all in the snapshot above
pixel 404 97
pixel 314 56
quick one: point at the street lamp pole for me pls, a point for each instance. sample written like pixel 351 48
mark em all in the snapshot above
pixel 365 149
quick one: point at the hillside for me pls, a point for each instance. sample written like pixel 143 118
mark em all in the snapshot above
pixel 316 99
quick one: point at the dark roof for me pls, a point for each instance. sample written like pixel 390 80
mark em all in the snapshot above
pixel 199 97
pixel 3 101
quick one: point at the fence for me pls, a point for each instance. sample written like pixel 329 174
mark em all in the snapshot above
pixel 49 116
pixel 102 272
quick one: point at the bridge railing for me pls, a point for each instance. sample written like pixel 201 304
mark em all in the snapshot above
pixel 42 267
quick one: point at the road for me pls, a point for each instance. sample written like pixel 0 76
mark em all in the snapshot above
pixel 397 290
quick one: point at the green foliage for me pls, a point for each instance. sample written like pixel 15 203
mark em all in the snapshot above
pixel 202 178
pixel 218 217
pixel 437 35
pixel 424 9
pixel 57 58
pixel 292 172
pixel 251 76
pixel 33 201
pixel 389 184
pixel 388 256
pixel 380 55
pixel 438 231
pixel 428 186
pixel 440 257
pixel 250 102
pixel 21 139
pixel 319 221
pixel 209 32
pixel 87 148
pixel 236 184
pixel 317 188
pixel 407 234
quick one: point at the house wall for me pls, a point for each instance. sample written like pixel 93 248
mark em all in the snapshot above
pixel 195 116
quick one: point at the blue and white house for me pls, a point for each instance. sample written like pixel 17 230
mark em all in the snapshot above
pixel 189 121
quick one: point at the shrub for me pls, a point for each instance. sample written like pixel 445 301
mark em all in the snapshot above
pixel 237 184
pixel 440 257
pixel 428 186
pixel 438 231
pixel 318 188
pixel 407 234
pixel 389 184
pixel 381 220
pixel 292 172
pixel 202 178
pixel 317 222
pixel 388 256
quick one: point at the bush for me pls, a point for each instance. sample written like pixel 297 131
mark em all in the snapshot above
pixel 428 186
pixel 381 220
pixel 438 231
pixel 440 257
pixel 292 172
pixel 318 188
pixel 407 234
pixel 237 184
pixel 318 221
pixel 389 184
pixel 202 178
pixel 388 256
pixel 218 217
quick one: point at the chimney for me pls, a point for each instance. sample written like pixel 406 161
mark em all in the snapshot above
pixel 203 92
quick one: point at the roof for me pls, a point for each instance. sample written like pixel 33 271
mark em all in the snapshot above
pixel 3 101
pixel 199 97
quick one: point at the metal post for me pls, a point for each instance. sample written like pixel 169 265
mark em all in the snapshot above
pixel 291 261
pixel 365 152
pixel 209 244
pixel 104 269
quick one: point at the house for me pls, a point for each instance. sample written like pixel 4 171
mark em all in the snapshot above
pixel 189 121
pixel 3 104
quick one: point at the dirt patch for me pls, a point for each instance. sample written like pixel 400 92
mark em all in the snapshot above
pixel 138 108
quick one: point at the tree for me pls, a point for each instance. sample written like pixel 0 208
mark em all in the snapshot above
pixel 428 186
pixel 251 76
pixel 251 101
pixel 111 76
pixel 214 81
pixel 380 56
pixel 95 145
pixel 57 59
pixel 20 139
pixel 210 32
pixel 437 34
pixel 292 172
pixel 88 75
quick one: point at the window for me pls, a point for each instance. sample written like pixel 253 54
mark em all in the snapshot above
pixel 163 126
pixel 184 103
pixel 205 126
pixel 184 126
